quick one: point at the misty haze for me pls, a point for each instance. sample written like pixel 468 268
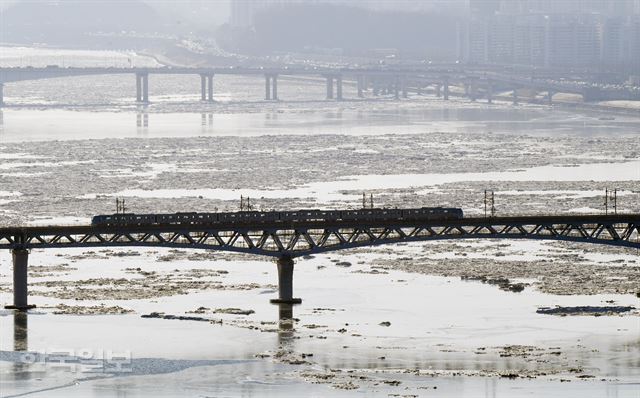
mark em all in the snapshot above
pixel 320 198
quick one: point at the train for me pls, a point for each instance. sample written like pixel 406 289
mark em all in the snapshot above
pixel 253 217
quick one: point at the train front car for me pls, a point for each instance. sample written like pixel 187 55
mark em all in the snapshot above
pixel 99 220
pixel 110 219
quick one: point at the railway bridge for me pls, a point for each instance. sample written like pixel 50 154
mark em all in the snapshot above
pixel 286 240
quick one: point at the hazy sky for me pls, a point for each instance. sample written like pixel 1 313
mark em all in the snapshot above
pixel 203 12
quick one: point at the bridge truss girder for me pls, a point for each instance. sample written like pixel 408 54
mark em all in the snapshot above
pixel 299 240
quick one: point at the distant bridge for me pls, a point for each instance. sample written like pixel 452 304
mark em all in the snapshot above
pixel 396 81
pixel 287 240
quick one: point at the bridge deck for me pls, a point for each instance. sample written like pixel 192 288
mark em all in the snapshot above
pixel 292 239
pixel 466 221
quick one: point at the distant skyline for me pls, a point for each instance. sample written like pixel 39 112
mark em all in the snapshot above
pixel 207 13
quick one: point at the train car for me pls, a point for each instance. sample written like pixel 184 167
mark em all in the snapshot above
pixel 124 219
pixel 252 217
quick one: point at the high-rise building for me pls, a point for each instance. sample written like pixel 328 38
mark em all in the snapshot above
pixel 530 41
pixel 633 44
pixel 484 7
pixel 242 13
pixel 552 33
pixel 613 41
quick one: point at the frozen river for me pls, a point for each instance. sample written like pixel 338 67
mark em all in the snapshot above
pixel 68 147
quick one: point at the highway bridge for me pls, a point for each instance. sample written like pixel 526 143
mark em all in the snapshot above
pixel 288 240
pixel 397 81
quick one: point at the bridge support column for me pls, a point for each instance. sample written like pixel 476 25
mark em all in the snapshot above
pixel 138 88
pixel 472 92
pixel 339 88
pixel 329 87
pixel 446 90
pixel 359 83
pixel 20 291
pixel 515 96
pixel 438 90
pixel 267 87
pixel 1 94
pixel 376 87
pixel 210 88
pixel 274 87
pixel 145 88
pixel 405 89
pixel 203 87
pixel 490 94
pixel 549 98
pixel 285 282
pixel 396 88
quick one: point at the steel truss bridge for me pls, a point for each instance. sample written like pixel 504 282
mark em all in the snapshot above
pixel 287 240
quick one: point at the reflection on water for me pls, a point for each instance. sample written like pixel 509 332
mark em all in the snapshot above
pixel 20 343
pixel 61 124
pixel 142 121
pixel 20 331
pixel 206 121
pixel 285 324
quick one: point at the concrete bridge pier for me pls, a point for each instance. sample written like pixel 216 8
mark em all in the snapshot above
pixel 210 88
pixel 138 88
pixel 329 87
pixel 145 88
pixel 267 87
pixel 515 96
pixel 549 98
pixel 339 88
pixel 438 90
pixel 396 87
pixel 473 94
pixel 490 94
pixel 1 94
pixel 446 90
pixel 206 87
pixel 360 84
pixel 142 87
pixel 274 87
pixel 20 290
pixel 404 88
pixel 285 282
pixel 271 87
pixel 203 87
